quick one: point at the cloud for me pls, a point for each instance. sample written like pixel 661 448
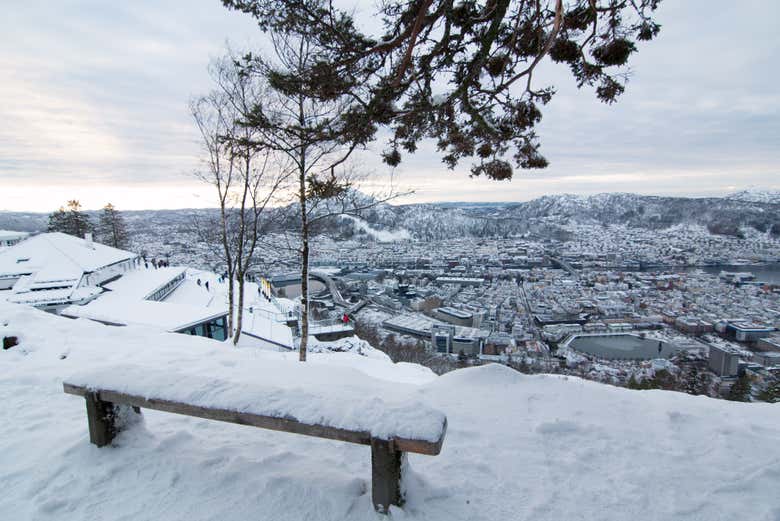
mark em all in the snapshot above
pixel 97 92
pixel 95 103
pixel 125 196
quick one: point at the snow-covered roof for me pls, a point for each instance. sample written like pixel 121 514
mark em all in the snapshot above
pixel 130 311
pixel 454 312
pixel 54 295
pixel 141 283
pixel 58 256
pixel 422 325
pixel 460 280
pixel 9 234
pixel 125 302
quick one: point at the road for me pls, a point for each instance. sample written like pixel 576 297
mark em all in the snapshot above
pixel 331 285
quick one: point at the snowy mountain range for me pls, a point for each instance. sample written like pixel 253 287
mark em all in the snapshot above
pixel 643 211
pixel 721 215
pixel 757 196
pixel 432 221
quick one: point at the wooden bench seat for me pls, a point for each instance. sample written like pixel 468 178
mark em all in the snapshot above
pixel 388 437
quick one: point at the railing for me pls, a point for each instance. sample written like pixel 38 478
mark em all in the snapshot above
pixel 275 316
pixel 315 325
pixel 283 308
pixel 328 322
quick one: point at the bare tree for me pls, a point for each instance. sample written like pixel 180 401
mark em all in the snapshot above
pixel 242 172
pixel 311 126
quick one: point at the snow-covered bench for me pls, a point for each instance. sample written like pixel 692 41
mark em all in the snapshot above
pixel 391 429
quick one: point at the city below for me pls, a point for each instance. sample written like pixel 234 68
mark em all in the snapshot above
pixel 687 305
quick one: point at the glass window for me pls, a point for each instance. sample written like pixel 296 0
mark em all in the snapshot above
pixel 217 329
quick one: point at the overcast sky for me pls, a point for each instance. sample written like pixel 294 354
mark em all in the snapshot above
pixel 94 94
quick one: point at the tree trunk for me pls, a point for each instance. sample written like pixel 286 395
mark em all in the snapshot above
pixel 230 271
pixel 240 281
pixel 304 271
pixel 304 230
pixel 242 264
pixel 231 304
pixel 240 313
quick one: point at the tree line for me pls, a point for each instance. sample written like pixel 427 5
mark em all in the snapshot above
pixel 110 228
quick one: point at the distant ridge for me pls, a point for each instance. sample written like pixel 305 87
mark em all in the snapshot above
pixel 728 215
pixel 756 196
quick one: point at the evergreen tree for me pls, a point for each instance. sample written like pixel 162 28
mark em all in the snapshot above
pixel 740 391
pixel 57 221
pixel 311 123
pixel 464 73
pixel 79 222
pixel 523 366
pixel 633 383
pixel 703 383
pixel 112 229
pixel 693 384
pixel 665 380
pixel 771 394
pixel 72 221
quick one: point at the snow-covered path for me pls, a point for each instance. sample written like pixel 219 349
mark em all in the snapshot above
pixel 518 447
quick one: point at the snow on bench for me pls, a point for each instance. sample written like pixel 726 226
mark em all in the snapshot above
pixel 390 428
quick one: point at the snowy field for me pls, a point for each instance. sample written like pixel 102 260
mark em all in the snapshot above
pixel 518 447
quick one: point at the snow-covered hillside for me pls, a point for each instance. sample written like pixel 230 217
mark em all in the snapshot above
pixel 379 235
pixel 645 211
pixel 756 196
pixel 518 447
pixel 755 209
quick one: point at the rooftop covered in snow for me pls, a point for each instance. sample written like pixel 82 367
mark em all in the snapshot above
pixel 56 269
pixel 118 310
pixel 57 256
pixel 10 235
pixel 142 284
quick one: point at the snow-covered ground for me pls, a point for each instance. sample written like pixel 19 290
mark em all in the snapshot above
pixel 517 447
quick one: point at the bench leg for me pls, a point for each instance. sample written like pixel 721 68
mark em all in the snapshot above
pixel 386 463
pixel 100 418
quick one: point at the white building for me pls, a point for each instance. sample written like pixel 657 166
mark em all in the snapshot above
pixel 79 278
pixel 148 298
pixel 9 238
pixel 53 270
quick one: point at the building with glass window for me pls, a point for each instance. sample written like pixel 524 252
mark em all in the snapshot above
pixel 215 328
pixel 174 318
pixel 142 298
